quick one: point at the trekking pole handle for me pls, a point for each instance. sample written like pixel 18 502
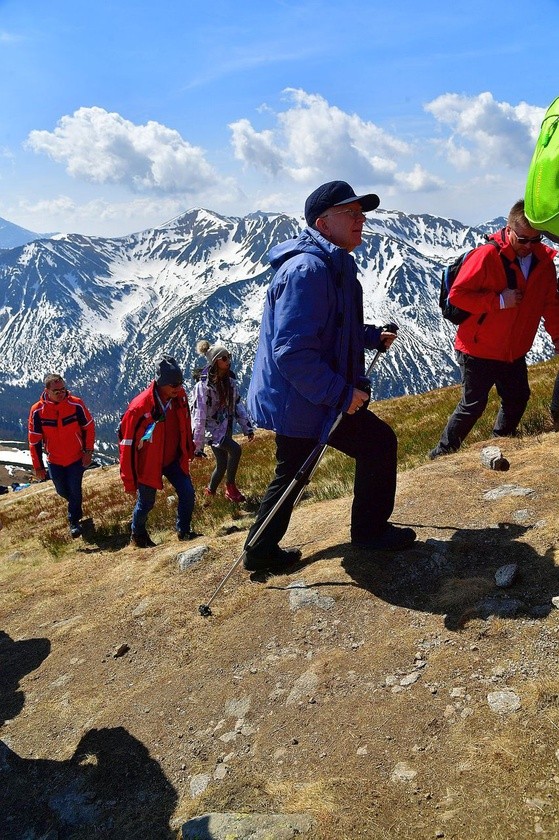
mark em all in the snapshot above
pixel 389 328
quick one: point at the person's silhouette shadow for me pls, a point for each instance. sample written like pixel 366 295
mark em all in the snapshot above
pixel 456 577
pixel 110 787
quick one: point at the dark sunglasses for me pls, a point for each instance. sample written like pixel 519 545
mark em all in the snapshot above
pixel 527 240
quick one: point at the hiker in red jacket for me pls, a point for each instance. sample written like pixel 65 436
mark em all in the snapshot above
pixel 61 422
pixel 156 441
pixel 507 290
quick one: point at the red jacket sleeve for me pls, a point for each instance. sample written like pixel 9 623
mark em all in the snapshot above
pixel 35 437
pixel 88 427
pixel 129 425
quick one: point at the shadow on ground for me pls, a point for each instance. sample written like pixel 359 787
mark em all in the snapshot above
pixel 456 577
pixel 110 787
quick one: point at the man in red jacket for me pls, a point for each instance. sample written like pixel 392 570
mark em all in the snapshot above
pixel 61 422
pixel 156 441
pixel 507 290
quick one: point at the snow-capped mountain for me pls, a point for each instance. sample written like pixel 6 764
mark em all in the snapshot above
pixel 12 235
pixel 100 311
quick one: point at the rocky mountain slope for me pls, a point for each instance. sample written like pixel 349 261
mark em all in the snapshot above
pixel 404 696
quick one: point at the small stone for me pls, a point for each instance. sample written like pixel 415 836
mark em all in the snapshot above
pixel 403 772
pixel 505 575
pixel 410 679
pixel 507 490
pixel 198 784
pixel 220 772
pixel 504 702
pixel 459 691
pixel 142 608
pixel 187 558
pixel 121 650
pixel 492 458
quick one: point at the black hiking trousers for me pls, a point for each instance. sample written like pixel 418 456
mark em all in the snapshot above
pixel 364 437
pixel 478 377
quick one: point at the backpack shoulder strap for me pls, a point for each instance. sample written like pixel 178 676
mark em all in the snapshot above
pixel 507 264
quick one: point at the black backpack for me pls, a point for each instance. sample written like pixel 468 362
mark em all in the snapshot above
pixel 453 313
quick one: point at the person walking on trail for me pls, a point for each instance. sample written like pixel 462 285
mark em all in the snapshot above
pixel 554 406
pixel 216 407
pixel 507 290
pixel 61 427
pixel 309 367
pixel 155 441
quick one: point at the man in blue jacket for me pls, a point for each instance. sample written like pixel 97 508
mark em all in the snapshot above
pixel 309 367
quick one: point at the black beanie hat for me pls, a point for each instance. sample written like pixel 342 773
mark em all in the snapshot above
pixel 167 372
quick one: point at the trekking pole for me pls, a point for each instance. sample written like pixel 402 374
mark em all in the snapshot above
pixel 303 475
pixel 204 609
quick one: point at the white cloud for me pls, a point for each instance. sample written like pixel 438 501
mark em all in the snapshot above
pixel 255 148
pixel 418 180
pixel 103 147
pixel 98 216
pixel 52 207
pixel 314 140
pixel 486 133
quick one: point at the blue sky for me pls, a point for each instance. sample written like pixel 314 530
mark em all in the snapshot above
pixel 120 116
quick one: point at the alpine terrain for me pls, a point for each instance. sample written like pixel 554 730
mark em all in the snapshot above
pixel 100 310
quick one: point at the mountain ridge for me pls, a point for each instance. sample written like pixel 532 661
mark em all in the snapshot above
pixel 100 310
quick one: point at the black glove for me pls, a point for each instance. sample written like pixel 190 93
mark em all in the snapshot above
pixel 391 328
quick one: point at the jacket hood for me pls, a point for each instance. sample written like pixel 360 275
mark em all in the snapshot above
pixel 309 241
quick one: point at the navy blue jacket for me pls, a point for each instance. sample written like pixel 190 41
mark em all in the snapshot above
pixel 310 353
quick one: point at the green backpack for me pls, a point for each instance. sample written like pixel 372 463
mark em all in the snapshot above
pixel 541 199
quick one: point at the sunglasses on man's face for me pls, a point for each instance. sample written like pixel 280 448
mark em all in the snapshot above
pixel 527 240
pixel 57 390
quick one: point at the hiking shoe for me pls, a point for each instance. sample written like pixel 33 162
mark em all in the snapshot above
pixel 183 536
pixel 233 493
pixel 276 561
pixel 391 539
pixel 437 452
pixel 75 530
pixel 142 540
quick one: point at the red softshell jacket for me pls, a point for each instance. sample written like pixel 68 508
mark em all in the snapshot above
pixel 504 334
pixel 141 462
pixel 66 429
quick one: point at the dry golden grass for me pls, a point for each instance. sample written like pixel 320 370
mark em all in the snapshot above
pixel 135 729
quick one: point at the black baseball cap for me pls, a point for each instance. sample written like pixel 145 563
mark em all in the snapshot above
pixel 333 194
